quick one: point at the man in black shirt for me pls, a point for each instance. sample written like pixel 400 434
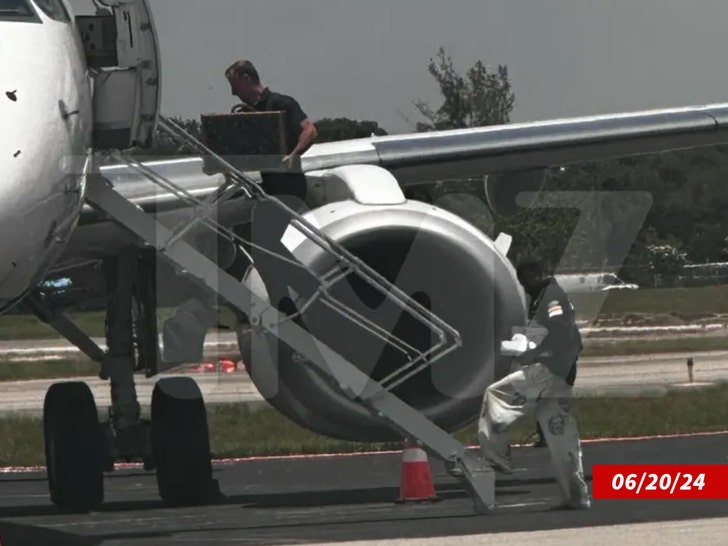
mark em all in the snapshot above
pixel 270 221
pixel 184 333
pixel 546 354
pixel 300 131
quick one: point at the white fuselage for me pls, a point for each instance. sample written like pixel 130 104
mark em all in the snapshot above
pixel 45 145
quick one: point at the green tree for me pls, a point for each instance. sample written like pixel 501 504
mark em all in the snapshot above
pixel 688 197
pixel 476 99
pixel 165 146
pixel 335 129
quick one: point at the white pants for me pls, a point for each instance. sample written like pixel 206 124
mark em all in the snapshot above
pixel 535 388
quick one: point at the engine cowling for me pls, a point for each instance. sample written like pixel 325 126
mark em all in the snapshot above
pixel 511 192
pixel 432 255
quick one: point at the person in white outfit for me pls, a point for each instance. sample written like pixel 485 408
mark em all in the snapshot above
pixel 546 354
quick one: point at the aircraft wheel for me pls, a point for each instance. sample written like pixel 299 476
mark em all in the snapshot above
pixel 73 447
pixel 181 442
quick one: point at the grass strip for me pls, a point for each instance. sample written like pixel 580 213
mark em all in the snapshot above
pixel 83 367
pixel 18 370
pixel 238 430
pixel 671 304
pixel 686 303
pixel 633 347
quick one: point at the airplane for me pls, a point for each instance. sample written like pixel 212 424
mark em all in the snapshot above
pixel 74 86
pixel 577 283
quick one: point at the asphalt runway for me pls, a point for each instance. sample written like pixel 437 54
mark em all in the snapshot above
pixel 217 388
pixel 648 375
pixel 337 499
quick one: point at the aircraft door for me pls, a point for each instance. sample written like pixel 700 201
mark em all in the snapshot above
pixel 122 51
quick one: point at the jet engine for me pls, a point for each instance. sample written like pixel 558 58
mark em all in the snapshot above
pixel 434 257
pixel 507 193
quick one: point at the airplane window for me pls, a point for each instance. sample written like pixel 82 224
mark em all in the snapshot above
pixel 55 9
pixel 17 10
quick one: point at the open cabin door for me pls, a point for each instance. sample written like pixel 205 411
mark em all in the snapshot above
pixel 122 52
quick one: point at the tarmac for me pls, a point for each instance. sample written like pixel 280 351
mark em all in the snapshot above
pixel 340 499
pixel 627 376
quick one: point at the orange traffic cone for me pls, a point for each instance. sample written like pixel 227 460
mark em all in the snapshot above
pixel 416 481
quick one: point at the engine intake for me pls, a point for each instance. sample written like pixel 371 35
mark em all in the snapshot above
pixel 435 257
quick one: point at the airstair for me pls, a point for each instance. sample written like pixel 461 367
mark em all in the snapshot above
pixel 122 50
pixel 376 396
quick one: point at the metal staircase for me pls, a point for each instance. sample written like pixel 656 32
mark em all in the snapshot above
pixel 376 396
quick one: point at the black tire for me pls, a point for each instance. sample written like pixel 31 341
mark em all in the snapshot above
pixel 73 447
pixel 181 443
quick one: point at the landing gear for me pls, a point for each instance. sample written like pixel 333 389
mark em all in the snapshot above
pixel 79 447
pixel 78 452
pixel 181 443
pixel 73 447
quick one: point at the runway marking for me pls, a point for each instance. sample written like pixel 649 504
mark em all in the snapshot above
pixel 530 504
pixel 305 456
pixel 656 437
pixel 702 531
pixel 98 522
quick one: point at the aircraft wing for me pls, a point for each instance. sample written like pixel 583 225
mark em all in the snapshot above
pixel 421 157
pixel 525 146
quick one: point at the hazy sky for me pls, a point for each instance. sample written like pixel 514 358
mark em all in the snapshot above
pixel 367 59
